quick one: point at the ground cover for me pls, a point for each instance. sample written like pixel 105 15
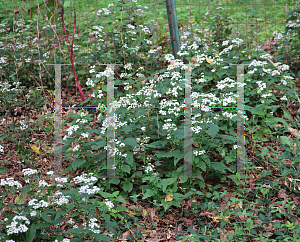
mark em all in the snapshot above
pixel 154 201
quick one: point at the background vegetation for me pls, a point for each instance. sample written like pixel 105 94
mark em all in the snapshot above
pixel 152 201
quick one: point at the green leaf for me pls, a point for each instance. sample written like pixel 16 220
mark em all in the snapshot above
pixel 77 163
pixel 286 140
pixel 166 182
pixel 219 166
pixel 157 144
pixel 287 115
pixel 131 142
pixel 67 3
pixel 257 110
pixel 213 130
pixel 127 187
pixel 2 169
pixel 46 218
pixel 30 234
pixel 99 144
pixel 76 231
pixel 19 200
pixel 25 190
pixel 206 158
pixel 202 165
pixel 60 213
pixel 129 158
pixel 177 154
pixel 227 137
pixel 121 208
pixel 102 237
pixel 262 218
pixel 125 168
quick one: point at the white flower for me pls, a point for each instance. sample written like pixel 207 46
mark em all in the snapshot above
pixel 62 179
pixel 149 168
pixel 85 135
pixel 29 171
pixel 22 125
pixel 86 189
pixel 62 200
pixel 128 66
pixel 76 148
pixel 72 128
pixel 14 228
pixel 109 204
pixel 50 173
pixel 10 182
pixel 197 152
pixel 64 240
pixel 84 179
pixel 40 204
pixel 284 98
pixel 92 225
pixel 1 148
pixel 130 26
pixel 42 183
pixel 90 82
pixel 143 128
pixel 33 213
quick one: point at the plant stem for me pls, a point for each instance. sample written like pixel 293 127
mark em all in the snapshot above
pixel 71 48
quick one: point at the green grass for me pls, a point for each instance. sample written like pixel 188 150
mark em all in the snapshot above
pixel 254 20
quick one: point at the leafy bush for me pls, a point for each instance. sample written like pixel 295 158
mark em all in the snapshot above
pixel 149 143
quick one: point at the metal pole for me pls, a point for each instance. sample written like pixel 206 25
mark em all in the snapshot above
pixel 173 26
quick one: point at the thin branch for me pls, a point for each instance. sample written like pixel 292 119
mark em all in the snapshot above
pixel 71 48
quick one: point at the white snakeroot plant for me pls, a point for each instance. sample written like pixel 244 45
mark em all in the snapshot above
pixel 18 225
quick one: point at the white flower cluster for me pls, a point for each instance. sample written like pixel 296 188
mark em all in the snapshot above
pixel 85 135
pixel 128 66
pixel 92 225
pixel 90 82
pixel 176 110
pixel 22 125
pixel 229 115
pixel 227 82
pixel 87 190
pixel 197 152
pixel 278 36
pixel 10 182
pixel 258 63
pixel 168 126
pixel 29 172
pixel 108 72
pixel 109 204
pixel 64 240
pixel 145 29
pixel 104 10
pixel 142 144
pixel 43 183
pixel 149 168
pixel 76 148
pixel 292 24
pixel 71 129
pixel 38 204
pixel 261 86
pixel 17 225
pixel 62 200
pixel 61 180
pixel 85 179
pixel 50 173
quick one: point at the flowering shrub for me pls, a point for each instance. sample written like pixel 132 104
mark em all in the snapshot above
pixel 149 137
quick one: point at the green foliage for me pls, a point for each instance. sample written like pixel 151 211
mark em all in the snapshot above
pixel 150 135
